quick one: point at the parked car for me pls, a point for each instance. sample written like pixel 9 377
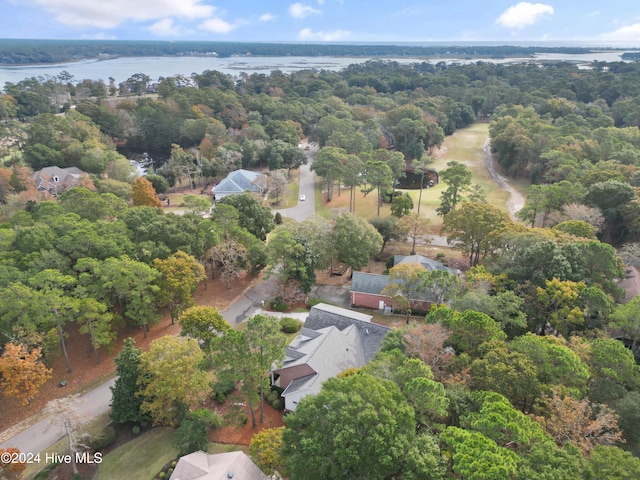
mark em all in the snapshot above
pixel 303 198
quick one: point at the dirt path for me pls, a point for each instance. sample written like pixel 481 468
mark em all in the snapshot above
pixel 516 200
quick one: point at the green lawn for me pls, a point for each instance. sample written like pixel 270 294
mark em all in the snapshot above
pixel 289 197
pixel 141 458
pixel 464 146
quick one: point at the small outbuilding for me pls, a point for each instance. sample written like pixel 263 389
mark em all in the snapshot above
pixel 366 288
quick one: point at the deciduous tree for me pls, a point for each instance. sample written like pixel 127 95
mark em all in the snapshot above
pixel 181 274
pixel 405 286
pixel 204 324
pixel 11 470
pixel 367 432
pixel 355 240
pixel 469 228
pixel 67 414
pixel 266 451
pixel 576 421
pixel 416 227
pixel 171 376
pixel 22 373
pixel 143 194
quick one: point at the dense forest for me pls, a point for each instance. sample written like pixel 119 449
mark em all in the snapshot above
pixel 18 51
pixel 514 374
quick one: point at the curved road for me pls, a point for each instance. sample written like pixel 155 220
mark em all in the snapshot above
pixel 516 200
pixel 42 435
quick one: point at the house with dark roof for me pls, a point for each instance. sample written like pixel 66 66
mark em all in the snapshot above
pixel 222 466
pixel 332 340
pixel 240 181
pixel 56 180
pixel 366 288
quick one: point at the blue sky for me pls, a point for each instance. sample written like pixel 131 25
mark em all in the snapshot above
pixel 387 21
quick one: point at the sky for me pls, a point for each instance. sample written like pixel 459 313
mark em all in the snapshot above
pixel 386 21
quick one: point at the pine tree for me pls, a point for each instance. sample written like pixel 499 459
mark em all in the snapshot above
pixel 125 405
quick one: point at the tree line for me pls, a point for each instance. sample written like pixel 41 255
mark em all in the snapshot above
pixel 25 51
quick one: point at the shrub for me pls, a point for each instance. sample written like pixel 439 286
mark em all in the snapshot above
pixel 162 475
pixel 290 325
pixel 278 305
pixel 272 396
pixel 136 429
pixel 105 438
pixel 389 262
pixel 278 404
pixel 313 301
pixel 277 219
pixel 222 389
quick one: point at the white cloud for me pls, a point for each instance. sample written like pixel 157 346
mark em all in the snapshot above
pixel 523 14
pixel 267 17
pixel 165 28
pixel 111 13
pixel 217 25
pixel 627 33
pixel 328 36
pixel 320 2
pixel 298 10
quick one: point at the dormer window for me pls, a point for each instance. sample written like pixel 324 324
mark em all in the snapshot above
pixel 56 179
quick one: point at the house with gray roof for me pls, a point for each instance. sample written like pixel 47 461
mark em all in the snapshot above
pixel 56 180
pixel 222 466
pixel 366 288
pixel 332 340
pixel 240 181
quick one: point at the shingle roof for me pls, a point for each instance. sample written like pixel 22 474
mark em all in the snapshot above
pixel 66 178
pixel 333 339
pixel 371 283
pixel 369 335
pixel 222 466
pixel 426 262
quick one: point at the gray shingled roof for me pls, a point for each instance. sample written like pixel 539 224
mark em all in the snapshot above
pixel 222 466
pixel 371 283
pixel 369 335
pixel 332 340
pixel 67 178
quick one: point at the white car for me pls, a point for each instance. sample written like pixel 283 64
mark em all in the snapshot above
pixel 303 198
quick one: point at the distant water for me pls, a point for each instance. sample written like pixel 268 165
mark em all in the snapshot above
pixel 122 68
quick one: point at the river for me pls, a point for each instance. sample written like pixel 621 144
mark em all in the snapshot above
pixel 122 68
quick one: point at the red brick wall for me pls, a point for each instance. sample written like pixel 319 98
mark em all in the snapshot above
pixel 368 300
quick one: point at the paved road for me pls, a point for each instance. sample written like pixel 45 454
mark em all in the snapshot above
pixel 304 209
pixel 42 435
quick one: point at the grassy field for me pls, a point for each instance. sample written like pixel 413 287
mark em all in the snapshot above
pixel 290 197
pixel 141 458
pixel 464 146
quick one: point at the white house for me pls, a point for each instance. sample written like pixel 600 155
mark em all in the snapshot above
pixel 332 340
